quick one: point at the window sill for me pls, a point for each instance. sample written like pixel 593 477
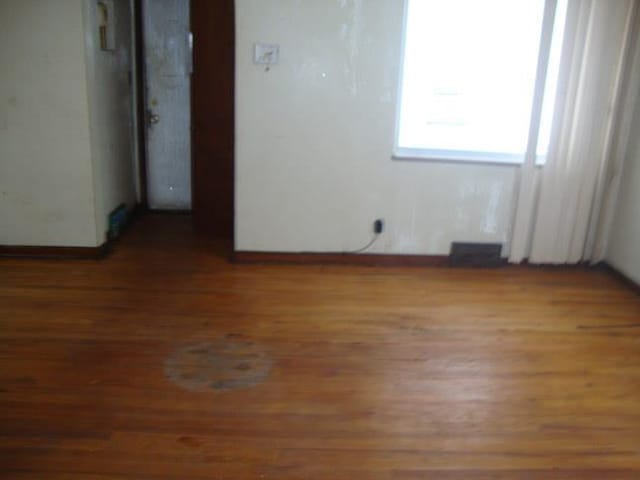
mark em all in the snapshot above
pixel 422 157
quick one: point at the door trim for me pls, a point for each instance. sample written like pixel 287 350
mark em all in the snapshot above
pixel 213 117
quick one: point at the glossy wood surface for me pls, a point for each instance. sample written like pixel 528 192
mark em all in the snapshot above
pixel 375 373
pixel 212 115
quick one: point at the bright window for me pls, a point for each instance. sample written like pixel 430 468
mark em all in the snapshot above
pixel 469 76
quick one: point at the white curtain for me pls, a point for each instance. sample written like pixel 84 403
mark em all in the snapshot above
pixel 558 211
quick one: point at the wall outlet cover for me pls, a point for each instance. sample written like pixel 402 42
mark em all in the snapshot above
pixel 266 53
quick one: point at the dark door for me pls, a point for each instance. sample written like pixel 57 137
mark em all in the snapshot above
pixel 212 115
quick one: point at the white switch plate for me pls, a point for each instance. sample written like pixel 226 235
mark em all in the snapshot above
pixel 266 54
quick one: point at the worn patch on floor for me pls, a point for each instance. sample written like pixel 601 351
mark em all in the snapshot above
pixel 220 365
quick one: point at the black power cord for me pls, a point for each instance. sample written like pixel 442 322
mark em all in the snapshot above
pixel 367 246
pixel 378 227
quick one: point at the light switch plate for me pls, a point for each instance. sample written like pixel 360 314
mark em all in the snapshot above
pixel 266 54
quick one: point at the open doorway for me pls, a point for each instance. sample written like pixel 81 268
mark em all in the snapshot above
pixel 167 102
pixel 186 55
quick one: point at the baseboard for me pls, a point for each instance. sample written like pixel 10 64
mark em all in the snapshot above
pixel 69 253
pixel 620 276
pixel 582 265
pixel 160 211
pixel 393 260
pixel 23 251
pixel 367 259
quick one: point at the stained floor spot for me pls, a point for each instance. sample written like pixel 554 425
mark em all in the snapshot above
pixel 219 365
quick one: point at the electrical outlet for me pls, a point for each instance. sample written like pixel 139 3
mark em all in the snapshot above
pixel 378 226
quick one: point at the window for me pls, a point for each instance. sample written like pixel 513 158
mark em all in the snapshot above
pixel 469 77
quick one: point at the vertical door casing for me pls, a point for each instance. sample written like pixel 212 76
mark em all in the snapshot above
pixel 213 27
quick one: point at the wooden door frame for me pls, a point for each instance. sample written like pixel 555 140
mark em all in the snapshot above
pixel 213 117
pixel 140 80
pixel 202 202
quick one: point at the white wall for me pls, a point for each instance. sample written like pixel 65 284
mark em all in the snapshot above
pixel 624 243
pixel 110 108
pixel 65 133
pixel 314 138
pixel 46 186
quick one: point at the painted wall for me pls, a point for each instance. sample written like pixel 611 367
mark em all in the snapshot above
pixel 624 243
pixel 65 133
pixel 110 113
pixel 314 138
pixel 46 184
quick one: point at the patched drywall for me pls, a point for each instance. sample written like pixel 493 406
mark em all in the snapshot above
pixel 110 107
pixel 314 138
pixel 624 244
pixel 46 186
pixel 65 123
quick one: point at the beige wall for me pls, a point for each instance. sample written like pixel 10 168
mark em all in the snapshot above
pixel 46 184
pixel 314 138
pixel 624 244
pixel 65 133
pixel 110 108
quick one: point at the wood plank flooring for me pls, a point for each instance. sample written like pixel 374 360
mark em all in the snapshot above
pixel 373 373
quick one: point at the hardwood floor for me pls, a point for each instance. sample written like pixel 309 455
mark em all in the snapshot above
pixel 365 373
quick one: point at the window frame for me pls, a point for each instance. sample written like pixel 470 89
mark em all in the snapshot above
pixel 476 157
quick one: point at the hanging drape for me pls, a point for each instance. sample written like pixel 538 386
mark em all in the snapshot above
pixel 559 207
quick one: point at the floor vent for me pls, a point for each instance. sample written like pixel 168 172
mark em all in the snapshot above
pixel 476 255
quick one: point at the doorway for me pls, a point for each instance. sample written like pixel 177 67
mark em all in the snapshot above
pixel 167 98
pixel 187 62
